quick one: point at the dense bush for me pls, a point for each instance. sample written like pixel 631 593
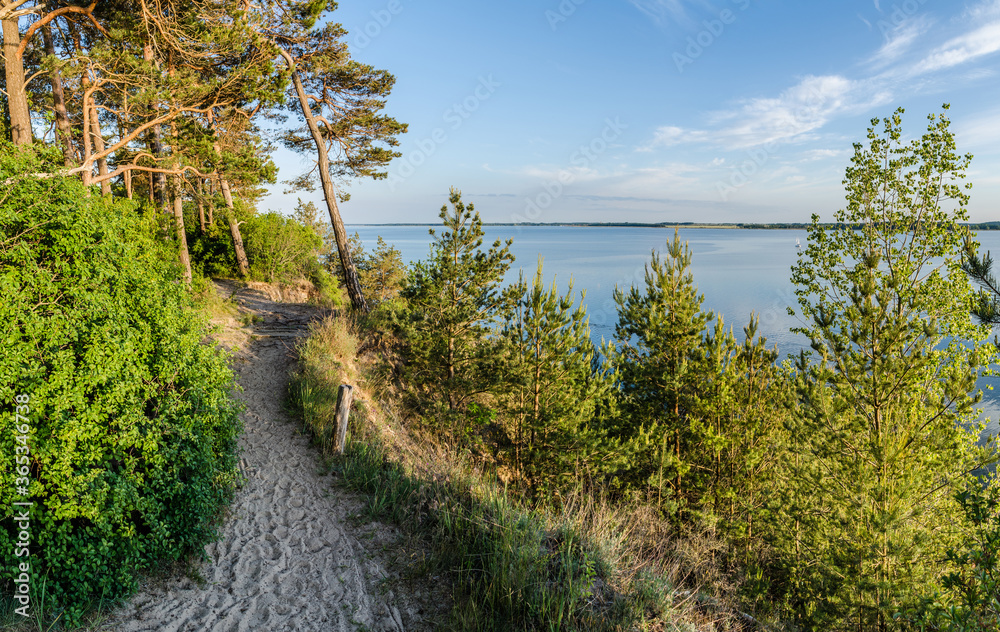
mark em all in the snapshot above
pixel 132 430
pixel 212 252
pixel 280 248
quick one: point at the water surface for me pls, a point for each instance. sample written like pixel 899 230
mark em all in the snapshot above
pixel 738 271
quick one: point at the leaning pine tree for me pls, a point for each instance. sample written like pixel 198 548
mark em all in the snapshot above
pixel 887 428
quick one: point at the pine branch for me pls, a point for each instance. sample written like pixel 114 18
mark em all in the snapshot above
pixel 986 303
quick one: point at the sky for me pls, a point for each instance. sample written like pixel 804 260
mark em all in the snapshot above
pixel 660 110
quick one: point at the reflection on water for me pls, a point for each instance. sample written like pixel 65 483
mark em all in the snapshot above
pixel 738 271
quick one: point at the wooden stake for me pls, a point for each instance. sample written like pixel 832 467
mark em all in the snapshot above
pixel 344 396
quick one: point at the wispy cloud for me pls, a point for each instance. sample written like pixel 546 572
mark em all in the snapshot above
pixel 798 111
pixel 983 41
pixel 568 174
pixel 669 135
pixel 901 40
pixel 988 10
pixel 908 62
pixel 803 108
pixel 982 131
pixel 666 12
pixel 823 154
pixel 661 10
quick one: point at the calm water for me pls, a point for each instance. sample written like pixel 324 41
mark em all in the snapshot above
pixel 738 271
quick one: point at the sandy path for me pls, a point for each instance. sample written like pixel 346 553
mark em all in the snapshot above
pixel 288 558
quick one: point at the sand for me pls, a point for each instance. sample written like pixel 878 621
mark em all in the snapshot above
pixel 290 557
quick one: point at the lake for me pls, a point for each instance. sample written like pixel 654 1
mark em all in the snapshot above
pixel 739 271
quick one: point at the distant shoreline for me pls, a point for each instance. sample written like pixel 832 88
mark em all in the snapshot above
pixel 744 226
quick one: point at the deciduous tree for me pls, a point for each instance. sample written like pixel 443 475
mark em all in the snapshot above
pixel 886 404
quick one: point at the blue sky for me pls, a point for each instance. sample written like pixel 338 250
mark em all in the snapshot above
pixel 661 110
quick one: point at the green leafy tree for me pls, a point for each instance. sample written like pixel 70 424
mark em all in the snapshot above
pixel 659 332
pixel 382 272
pixel 556 392
pixel 886 425
pixel 970 597
pixel 280 248
pixel 456 297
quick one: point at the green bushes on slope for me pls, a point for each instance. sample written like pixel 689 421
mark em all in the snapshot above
pixel 132 433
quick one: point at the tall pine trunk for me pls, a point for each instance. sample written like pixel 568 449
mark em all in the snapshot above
pixel 234 226
pixel 96 136
pixel 340 233
pixel 17 96
pixel 199 196
pixel 178 191
pixel 64 130
pixel 185 256
pixel 157 181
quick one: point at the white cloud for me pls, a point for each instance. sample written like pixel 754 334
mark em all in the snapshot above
pixel 669 135
pixel 900 40
pixel 822 154
pixel 988 10
pixel 662 10
pixel 568 174
pixel 983 41
pixel 981 131
pixel 801 111
pixel 791 116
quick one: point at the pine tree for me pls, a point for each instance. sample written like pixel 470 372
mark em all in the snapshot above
pixel 659 332
pixel 738 434
pixel 456 298
pixel 340 101
pixel 382 273
pixel 986 306
pixel 886 406
pixel 555 393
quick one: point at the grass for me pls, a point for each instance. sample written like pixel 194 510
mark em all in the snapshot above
pixel 587 564
pixel 213 306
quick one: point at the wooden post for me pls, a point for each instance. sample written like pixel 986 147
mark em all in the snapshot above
pixel 344 396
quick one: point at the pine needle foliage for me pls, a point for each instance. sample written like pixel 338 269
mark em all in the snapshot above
pixel 986 303
pixel 886 427
pixel 659 333
pixel 456 297
pixel 557 392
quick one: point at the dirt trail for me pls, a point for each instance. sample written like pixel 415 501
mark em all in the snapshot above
pixel 288 558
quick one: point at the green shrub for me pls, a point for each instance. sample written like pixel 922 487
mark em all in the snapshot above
pixel 131 428
pixel 329 293
pixel 970 597
pixel 212 252
pixel 280 248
